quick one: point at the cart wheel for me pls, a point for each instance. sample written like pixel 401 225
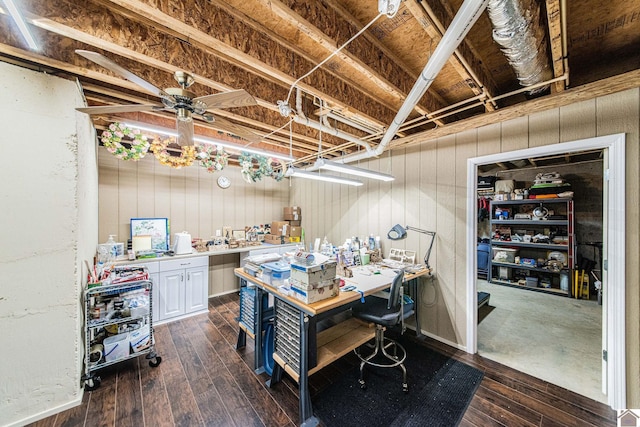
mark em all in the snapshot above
pixel 155 362
pixel 92 383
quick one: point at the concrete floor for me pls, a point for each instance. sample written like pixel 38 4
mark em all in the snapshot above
pixel 554 338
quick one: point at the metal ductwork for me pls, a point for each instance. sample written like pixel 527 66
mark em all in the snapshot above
pixel 517 29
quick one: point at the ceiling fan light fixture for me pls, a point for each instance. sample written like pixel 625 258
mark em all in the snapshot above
pixel 352 170
pixel 184 115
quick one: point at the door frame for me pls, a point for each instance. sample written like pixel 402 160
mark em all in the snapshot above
pixel 613 256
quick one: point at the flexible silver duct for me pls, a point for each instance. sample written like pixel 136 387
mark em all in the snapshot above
pixel 517 29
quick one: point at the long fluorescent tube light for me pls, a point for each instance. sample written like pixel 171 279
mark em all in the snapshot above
pixel 22 26
pixel 352 170
pixel 321 177
pixel 167 132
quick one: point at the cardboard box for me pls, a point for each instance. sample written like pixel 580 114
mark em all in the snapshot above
pixel 309 275
pixel 315 294
pixel 295 223
pixel 280 228
pixel 295 231
pixel 274 240
pixel 292 213
pixel 292 210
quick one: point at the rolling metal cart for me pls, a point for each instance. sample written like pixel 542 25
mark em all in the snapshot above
pixel 118 327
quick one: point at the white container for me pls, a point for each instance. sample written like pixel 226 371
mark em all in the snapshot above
pixel 309 275
pixel 501 254
pixel 314 295
pixel 116 347
pixel 140 339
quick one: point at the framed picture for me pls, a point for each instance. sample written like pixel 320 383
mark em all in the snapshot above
pixel 157 228
pixel 239 234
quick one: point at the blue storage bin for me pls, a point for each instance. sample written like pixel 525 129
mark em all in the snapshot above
pixel 275 273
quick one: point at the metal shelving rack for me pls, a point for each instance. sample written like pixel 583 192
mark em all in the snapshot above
pixel 534 248
pixel 94 327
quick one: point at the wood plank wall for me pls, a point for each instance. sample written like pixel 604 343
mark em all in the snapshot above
pixel 191 199
pixel 430 193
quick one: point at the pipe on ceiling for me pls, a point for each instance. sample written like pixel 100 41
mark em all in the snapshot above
pixel 523 40
pixel 467 15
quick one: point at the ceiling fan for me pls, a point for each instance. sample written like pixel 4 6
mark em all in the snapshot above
pixel 179 99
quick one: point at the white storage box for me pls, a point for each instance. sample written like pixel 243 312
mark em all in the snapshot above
pixel 501 254
pixel 315 294
pixel 140 339
pixel 309 275
pixel 275 273
pixel 116 347
pixel 306 287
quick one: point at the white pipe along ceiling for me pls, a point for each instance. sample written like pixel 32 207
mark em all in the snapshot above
pixel 467 15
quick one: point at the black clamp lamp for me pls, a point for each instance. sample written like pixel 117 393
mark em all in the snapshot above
pixel 399 232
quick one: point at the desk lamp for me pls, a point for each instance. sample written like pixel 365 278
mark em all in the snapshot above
pixel 399 232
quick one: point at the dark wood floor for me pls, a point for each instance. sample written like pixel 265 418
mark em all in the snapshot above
pixel 203 380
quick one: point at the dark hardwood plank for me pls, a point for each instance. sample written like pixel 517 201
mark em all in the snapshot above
pixel 155 401
pixel 202 373
pixel 206 395
pixel 500 414
pixel 264 404
pixel 183 403
pixel 515 408
pixel 74 416
pixel 582 401
pixel 231 397
pixel 543 403
pixel 475 417
pixel 102 401
pixel 129 405
pixel 50 421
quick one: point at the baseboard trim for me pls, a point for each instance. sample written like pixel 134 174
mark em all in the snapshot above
pixel 440 339
pixel 49 412
pixel 224 293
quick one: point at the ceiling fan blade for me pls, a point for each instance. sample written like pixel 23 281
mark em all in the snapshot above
pixel 185 132
pixel 234 98
pixel 108 109
pixel 109 64
pixel 235 129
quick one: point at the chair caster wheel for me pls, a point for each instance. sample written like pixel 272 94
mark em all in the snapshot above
pixel 405 388
pixel 363 385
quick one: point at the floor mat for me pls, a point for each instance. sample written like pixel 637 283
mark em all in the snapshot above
pixel 440 390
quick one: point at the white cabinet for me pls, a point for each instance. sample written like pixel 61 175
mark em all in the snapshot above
pixel 196 289
pixel 183 287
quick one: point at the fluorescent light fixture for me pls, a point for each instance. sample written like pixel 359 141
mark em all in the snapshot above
pixel 22 25
pixel 212 141
pixel 352 170
pixel 320 177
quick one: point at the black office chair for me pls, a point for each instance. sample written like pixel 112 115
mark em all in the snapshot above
pixel 385 313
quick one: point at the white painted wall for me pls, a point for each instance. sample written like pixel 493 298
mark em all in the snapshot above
pixel 48 223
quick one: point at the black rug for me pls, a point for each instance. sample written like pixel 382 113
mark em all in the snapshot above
pixel 440 390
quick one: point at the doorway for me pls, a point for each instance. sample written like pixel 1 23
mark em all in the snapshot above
pixel 612 251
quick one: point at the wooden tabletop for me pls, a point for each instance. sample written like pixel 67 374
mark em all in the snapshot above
pixel 365 279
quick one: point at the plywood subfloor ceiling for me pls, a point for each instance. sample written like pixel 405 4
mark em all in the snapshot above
pixel 263 46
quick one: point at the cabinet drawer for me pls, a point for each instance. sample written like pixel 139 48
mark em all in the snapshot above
pixel 177 264
pixel 152 266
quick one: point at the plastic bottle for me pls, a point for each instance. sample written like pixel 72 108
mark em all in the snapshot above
pixel 372 242
pixel 112 245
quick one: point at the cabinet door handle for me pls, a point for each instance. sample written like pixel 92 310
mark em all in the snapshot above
pixel 182 277
pixel 188 276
